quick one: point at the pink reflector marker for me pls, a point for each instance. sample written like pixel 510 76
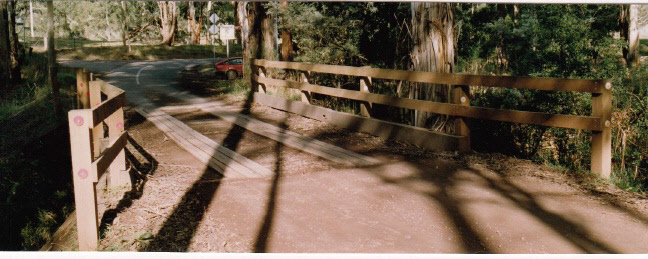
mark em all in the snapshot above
pixel 78 120
pixel 83 174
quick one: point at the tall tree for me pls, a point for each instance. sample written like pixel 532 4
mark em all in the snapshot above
pixel 269 34
pixel 239 31
pixel 124 25
pixel 31 18
pixel 16 54
pixel 195 22
pixel 249 15
pixel 433 36
pixel 5 65
pixel 628 20
pixel 168 21
pixel 52 78
pixel 286 39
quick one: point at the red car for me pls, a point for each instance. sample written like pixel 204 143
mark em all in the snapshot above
pixel 231 68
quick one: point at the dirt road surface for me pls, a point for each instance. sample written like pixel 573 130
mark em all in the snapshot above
pixel 415 201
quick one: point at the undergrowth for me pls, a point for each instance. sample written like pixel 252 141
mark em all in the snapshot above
pixel 35 184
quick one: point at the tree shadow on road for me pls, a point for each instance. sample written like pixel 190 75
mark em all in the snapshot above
pixel 263 236
pixel 448 178
pixel 180 227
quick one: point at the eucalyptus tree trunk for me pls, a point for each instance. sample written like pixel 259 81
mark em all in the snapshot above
pixel 31 18
pixel 52 78
pixel 194 23
pixel 169 21
pixel 433 36
pixel 628 20
pixel 238 33
pixel 124 25
pixel 269 33
pixel 249 15
pixel 5 65
pixel 286 39
pixel 14 42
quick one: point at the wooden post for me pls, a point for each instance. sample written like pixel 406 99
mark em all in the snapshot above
pixel 118 175
pixel 98 131
pixel 461 96
pixel 601 146
pixel 262 87
pixel 83 174
pixel 304 76
pixel 365 86
pixel 83 97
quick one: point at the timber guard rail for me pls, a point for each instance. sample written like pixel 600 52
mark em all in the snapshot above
pixel 598 122
pixel 90 159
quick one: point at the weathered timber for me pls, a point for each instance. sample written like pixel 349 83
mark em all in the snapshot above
pixel 225 161
pixel 108 89
pixel 384 129
pixel 292 139
pixel 118 174
pixel 107 108
pixel 115 148
pixel 94 92
pixel 547 84
pixel 82 88
pixel 537 118
pixel 461 96
pixel 85 197
pixel 601 147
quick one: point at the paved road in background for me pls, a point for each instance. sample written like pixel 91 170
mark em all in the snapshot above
pixel 145 81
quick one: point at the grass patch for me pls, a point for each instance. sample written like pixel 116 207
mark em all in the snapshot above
pixel 148 52
pixel 643 47
pixel 626 180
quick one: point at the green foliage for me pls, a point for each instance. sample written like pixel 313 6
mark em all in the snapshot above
pixel 564 41
pixel 352 34
pixel 102 20
pixel 630 119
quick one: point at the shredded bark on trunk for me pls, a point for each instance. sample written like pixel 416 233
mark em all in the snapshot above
pixel 168 21
pixel 433 35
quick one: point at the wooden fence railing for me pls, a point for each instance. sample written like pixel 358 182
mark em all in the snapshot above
pixel 598 122
pixel 91 159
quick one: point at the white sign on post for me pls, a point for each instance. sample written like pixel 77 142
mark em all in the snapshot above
pixel 227 32
pixel 213 29
pixel 213 18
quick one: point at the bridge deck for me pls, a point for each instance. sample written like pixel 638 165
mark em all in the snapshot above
pixel 286 137
pixel 222 159
pixel 230 163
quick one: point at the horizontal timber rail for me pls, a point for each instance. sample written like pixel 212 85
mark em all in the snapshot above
pixel 555 120
pixel 598 123
pixel 549 84
pixel 90 160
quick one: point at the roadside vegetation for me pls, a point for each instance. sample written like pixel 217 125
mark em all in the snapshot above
pixel 148 52
pixel 35 187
